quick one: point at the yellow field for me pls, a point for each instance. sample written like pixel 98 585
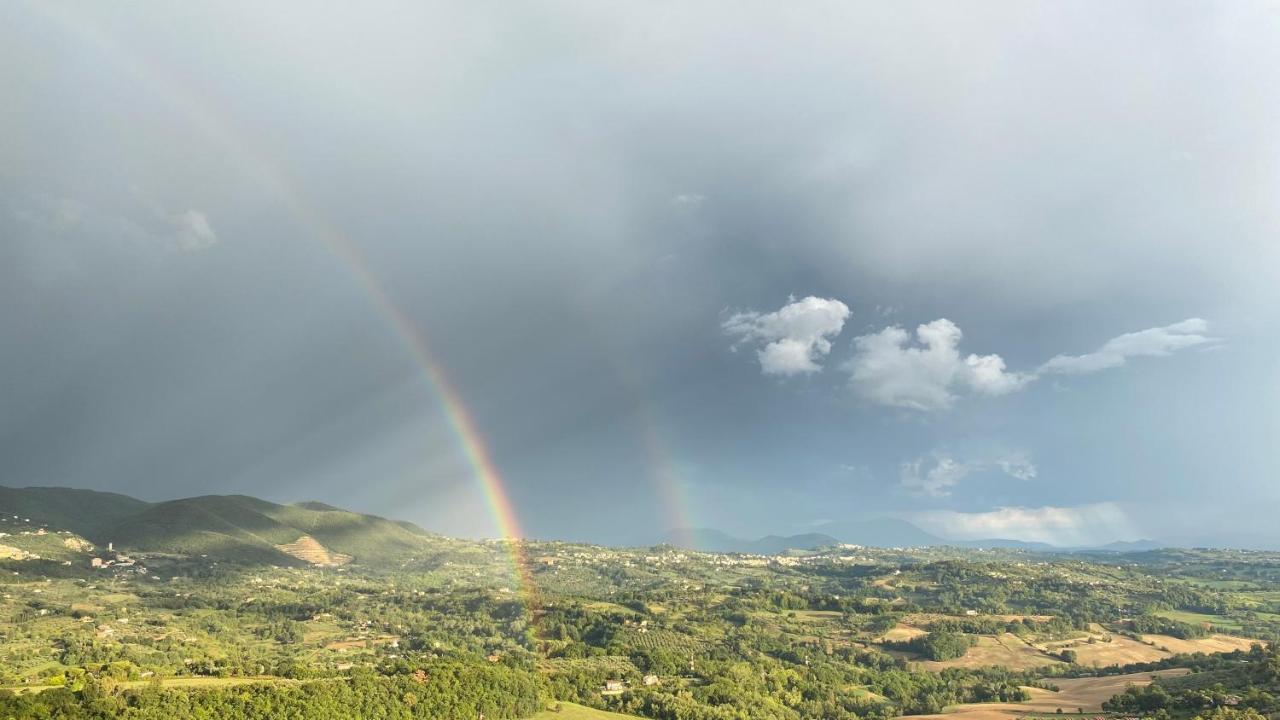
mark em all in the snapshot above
pixel 1007 650
pixel 902 633
pixel 817 615
pixel 358 643
pixel 1111 650
pixel 1083 693
pixel 1211 644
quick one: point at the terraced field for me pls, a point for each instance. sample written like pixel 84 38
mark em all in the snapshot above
pixel 310 550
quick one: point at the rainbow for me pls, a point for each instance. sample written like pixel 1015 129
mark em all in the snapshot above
pixel 665 475
pixel 664 471
pixel 219 129
pixel 456 413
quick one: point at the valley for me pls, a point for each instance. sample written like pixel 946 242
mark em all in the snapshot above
pixel 245 601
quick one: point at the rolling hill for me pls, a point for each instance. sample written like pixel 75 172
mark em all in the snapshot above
pixel 84 511
pixel 228 527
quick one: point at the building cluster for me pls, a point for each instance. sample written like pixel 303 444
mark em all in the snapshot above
pixel 617 686
pixel 117 561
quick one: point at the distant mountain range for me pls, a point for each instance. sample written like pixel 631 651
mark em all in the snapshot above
pixel 880 532
pixel 874 532
pixel 710 540
pixel 230 527
pixel 247 529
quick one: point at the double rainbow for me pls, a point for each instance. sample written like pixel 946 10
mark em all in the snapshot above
pixel 221 130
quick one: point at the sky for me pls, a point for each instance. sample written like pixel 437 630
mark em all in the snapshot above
pixel 1003 269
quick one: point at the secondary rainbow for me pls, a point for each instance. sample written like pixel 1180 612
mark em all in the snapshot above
pixel 221 130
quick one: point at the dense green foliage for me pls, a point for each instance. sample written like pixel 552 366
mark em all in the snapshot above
pixel 207 618
pixel 1244 681
pixel 939 645
pixel 247 530
pixel 444 691
pixel 87 511
pixel 1150 624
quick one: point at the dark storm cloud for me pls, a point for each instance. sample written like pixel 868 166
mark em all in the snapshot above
pixel 567 200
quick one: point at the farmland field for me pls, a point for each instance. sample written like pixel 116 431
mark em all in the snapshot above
pixel 1086 694
pixel 1004 650
pixel 1194 618
pixel 1112 649
pixel 572 711
pixel 1211 644
pixel 902 632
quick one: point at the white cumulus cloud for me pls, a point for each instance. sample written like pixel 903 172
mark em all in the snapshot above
pixel 1080 525
pixel 927 372
pixel 793 339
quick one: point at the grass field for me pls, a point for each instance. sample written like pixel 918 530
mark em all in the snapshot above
pixel 817 615
pixel 1109 649
pixel 570 711
pixel 900 633
pixel 1192 618
pixel 1219 584
pixel 1211 644
pixel 1007 650
pixel 1086 694
pixel 1114 649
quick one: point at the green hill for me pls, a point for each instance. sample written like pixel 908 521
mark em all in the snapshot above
pixel 230 527
pixel 355 534
pixel 242 528
pixel 58 508
pixel 234 528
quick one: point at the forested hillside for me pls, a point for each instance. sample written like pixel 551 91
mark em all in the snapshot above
pixel 229 606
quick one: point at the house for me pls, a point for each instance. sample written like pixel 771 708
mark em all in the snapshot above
pixel 651 680
pixel 614 686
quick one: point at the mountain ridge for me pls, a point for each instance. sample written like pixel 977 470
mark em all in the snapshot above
pixel 874 532
pixel 245 528
pixel 231 527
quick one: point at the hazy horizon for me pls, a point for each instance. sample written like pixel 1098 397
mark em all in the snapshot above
pixel 1005 270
